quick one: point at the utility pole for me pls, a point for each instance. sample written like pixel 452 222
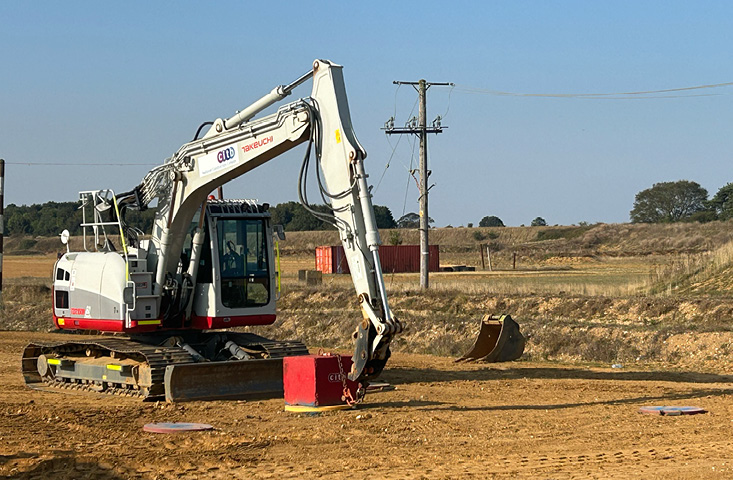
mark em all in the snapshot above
pixel 421 130
pixel 2 225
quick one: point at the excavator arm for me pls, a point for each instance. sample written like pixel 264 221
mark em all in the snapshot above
pixel 233 147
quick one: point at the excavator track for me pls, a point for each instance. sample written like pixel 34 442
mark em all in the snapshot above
pixel 134 368
pixel 155 359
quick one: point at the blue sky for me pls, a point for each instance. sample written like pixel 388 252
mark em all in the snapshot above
pixel 129 82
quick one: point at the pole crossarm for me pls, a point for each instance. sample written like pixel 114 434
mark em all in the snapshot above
pixel 416 131
pixel 427 84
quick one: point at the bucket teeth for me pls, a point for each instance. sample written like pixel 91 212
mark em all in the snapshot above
pixel 499 340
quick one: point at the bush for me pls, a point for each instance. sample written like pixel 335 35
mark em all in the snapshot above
pixel 539 222
pixel 395 238
pixel 491 221
pixel 27 244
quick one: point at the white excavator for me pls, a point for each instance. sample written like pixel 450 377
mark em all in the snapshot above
pixel 209 264
pixel 166 303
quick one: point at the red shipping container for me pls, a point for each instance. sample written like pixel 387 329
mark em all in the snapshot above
pixel 394 259
pixel 315 380
pixel 331 259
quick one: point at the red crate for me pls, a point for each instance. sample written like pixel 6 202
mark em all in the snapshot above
pixel 315 380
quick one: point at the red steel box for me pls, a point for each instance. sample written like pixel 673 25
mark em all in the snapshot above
pixel 315 380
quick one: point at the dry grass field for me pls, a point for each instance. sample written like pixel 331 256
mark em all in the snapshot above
pixel 35 266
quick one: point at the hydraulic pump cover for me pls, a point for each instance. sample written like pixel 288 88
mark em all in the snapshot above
pixel 317 380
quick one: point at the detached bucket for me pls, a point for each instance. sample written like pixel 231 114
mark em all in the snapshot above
pixel 499 340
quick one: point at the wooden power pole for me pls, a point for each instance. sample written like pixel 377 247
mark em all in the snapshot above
pixel 421 130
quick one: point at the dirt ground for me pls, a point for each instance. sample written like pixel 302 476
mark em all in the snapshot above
pixel 443 420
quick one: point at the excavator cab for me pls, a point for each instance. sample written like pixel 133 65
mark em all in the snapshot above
pixel 236 268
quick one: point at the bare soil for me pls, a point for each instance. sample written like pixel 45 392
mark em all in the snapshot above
pixel 526 419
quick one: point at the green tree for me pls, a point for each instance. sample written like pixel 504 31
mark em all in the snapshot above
pixel 669 202
pixel 47 219
pixel 294 217
pixel 491 221
pixel 722 202
pixel 538 222
pixel 411 220
pixel 384 217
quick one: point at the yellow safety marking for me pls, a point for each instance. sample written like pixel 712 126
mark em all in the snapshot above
pixel 338 136
pixel 277 257
pixel 54 361
pixel 116 368
pixel 122 237
pixel 61 321
pixel 306 409
pixel 148 322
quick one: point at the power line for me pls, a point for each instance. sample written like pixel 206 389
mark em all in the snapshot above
pixel 394 148
pixel 35 164
pixel 450 92
pixel 409 176
pixel 643 94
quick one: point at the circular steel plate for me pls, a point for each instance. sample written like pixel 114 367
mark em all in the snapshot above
pixel 671 411
pixel 379 386
pixel 176 427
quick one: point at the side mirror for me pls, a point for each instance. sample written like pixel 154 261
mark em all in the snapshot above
pixel 128 295
pixel 280 232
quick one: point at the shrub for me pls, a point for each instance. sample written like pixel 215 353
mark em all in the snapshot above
pixel 395 238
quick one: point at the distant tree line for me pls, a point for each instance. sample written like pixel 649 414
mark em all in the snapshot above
pixel 681 201
pixel 51 218
pixel 494 221
pixel 294 217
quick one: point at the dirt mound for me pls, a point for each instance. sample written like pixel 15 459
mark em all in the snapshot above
pixel 595 329
pixel 27 306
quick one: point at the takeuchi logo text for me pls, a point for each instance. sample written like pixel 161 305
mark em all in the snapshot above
pixel 259 143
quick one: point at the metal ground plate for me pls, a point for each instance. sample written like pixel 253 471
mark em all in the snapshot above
pixel 176 427
pixel 670 411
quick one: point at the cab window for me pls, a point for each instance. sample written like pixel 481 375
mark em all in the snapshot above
pixel 243 262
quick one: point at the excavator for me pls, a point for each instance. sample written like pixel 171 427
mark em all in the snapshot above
pixel 208 265
pixel 166 303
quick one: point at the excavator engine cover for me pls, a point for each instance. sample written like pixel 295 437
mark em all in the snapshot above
pixel 499 340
